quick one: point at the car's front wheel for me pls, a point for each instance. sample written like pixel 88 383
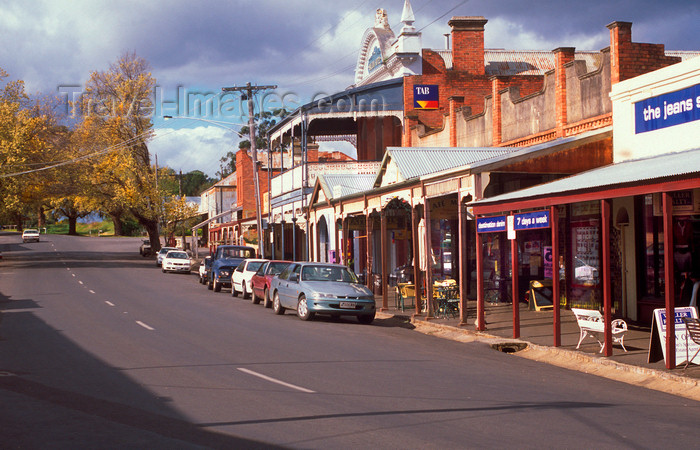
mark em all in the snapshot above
pixel 303 309
pixel 217 286
pixel 366 319
pixel 277 308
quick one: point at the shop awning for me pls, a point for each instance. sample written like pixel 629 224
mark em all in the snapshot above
pixel 668 172
pixel 230 211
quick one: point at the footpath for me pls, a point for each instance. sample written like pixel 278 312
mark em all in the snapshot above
pixel 628 367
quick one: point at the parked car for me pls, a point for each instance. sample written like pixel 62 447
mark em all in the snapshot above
pixel 224 262
pixel 321 288
pixel 161 254
pixel 145 248
pixel 30 235
pixel 260 282
pixel 240 278
pixel 177 261
pixel 204 268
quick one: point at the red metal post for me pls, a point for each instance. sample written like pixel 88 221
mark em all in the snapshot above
pixel 605 269
pixel 385 262
pixel 554 227
pixel 514 286
pixel 667 203
pixel 480 323
pixel 430 313
pixel 463 250
pixel 416 258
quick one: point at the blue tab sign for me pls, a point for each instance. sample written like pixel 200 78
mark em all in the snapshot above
pixel 426 96
pixel 667 110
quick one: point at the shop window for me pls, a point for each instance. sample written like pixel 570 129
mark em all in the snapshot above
pixel 584 262
pixel 652 273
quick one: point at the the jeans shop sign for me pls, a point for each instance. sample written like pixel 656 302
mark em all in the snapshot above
pixel 667 110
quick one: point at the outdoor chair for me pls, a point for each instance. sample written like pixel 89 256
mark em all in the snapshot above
pixel 406 291
pixel 692 325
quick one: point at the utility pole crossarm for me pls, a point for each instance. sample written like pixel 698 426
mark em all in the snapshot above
pixel 249 93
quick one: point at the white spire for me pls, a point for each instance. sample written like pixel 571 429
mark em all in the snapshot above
pixel 407 17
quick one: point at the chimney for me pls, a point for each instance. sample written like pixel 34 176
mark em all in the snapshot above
pixel 562 56
pixel 468 44
pixel 620 48
pixel 447 41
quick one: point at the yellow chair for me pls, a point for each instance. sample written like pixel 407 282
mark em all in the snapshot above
pixel 407 291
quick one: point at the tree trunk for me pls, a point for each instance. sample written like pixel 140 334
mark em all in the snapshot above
pixel 72 228
pixel 151 226
pixel 41 217
pixel 117 221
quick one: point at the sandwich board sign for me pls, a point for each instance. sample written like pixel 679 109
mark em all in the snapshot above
pixel 657 340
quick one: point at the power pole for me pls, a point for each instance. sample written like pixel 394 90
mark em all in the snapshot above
pixel 250 91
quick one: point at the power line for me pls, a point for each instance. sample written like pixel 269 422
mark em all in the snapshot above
pixel 121 145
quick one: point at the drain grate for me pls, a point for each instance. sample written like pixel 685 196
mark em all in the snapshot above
pixel 509 347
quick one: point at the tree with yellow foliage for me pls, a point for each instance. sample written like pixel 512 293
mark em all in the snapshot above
pixel 116 110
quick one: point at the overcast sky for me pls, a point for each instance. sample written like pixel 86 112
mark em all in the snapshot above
pixel 304 47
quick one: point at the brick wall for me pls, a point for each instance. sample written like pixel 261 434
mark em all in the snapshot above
pixel 629 59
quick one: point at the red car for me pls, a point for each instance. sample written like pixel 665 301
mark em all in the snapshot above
pixel 261 280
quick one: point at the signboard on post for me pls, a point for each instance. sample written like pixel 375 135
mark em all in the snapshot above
pixel 657 340
pixel 490 224
pixel 532 220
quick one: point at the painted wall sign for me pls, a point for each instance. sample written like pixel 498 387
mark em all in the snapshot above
pixel 375 60
pixel 667 110
pixel 491 224
pixel 426 96
pixel 532 220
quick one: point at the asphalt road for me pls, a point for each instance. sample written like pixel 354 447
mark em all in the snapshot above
pixel 100 349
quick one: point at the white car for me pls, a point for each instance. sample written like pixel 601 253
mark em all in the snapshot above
pixel 240 280
pixel 176 261
pixel 30 235
pixel 161 254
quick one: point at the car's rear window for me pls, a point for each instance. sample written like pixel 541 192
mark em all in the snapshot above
pixel 277 267
pixel 252 267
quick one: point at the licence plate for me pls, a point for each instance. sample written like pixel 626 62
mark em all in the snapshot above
pixel 348 305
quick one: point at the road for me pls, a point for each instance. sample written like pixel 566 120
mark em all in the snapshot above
pixel 98 348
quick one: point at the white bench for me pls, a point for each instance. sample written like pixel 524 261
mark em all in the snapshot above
pixel 591 324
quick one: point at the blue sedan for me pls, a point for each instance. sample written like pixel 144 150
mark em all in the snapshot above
pixel 320 288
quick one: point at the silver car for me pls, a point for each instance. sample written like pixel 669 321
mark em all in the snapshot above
pixel 321 288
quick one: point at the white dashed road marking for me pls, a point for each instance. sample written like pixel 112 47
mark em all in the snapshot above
pixel 109 303
pixel 274 380
pixel 145 326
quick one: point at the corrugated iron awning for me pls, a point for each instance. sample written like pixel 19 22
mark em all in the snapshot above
pixel 607 181
pixel 230 211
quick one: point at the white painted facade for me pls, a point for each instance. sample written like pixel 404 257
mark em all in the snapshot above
pixel 630 144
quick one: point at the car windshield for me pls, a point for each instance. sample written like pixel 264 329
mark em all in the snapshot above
pixel 177 255
pixel 165 250
pixel 328 273
pixel 276 268
pixel 238 253
pixel 30 231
